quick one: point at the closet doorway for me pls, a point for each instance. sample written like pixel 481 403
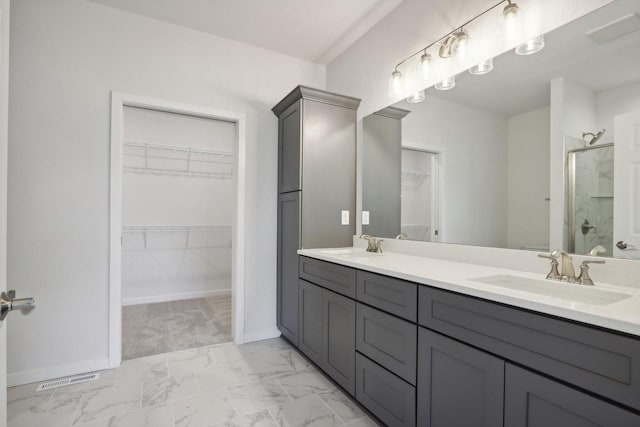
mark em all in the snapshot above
pixel 178 227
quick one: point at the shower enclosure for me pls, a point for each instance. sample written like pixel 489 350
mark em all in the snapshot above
pixel 590 199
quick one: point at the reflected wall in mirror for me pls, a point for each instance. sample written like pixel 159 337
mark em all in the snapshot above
pixel 541 153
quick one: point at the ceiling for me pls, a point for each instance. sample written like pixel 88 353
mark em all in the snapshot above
pixel 314 30
pixel 522 83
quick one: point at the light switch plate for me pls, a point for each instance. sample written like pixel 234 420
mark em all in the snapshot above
pixel 365 217
pixel 345 217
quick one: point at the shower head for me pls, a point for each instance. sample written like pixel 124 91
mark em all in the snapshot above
pixel 594 136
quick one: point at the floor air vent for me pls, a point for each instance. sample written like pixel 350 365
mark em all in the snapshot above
pixel 68 381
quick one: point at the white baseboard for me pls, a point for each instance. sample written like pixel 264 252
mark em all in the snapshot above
pixel 174 297
pixel 261 335
pixel 52 372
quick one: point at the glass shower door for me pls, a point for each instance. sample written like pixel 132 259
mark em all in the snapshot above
pixel 590 176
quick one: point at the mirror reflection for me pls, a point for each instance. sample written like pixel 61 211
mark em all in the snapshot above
pixel 542 152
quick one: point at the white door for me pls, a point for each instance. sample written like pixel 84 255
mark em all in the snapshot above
pixel 626 202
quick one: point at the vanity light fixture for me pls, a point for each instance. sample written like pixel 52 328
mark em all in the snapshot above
pixel 424 66
pixel 446 84
pixel 395 84
pixel 456 43
pixel 530 47
pixel 482 68
pixel 416 97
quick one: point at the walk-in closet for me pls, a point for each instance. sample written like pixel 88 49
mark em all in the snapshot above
pixel 177 210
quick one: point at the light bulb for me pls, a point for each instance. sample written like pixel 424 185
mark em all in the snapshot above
pixel 446 84
pixel 509 14
pixel 424 66
pixel 482 68
pixel 416 97
pixel 462 46
pixel 530 47
pixel 395 84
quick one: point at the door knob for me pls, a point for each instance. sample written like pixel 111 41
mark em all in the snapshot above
pixel 622 245
pixel 9 303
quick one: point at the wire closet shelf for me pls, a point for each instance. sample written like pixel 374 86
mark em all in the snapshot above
pixel 141 237
pixel 147 158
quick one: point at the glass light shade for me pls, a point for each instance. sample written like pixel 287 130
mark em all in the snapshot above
pixel 482 68
pixel 446 84
pixel 416 97
pixel 424 66
pixel 530 47
pixel 510 14
pixel 395 84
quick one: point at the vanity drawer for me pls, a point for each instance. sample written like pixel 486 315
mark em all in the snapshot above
pixel 390 341
pixel 337 278
pixel 603 362
pixel 385 395
pixel 392 295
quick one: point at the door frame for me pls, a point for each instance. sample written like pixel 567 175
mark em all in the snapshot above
pixel 435 233
pixel 120 100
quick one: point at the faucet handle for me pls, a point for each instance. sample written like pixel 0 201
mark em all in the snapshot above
pixel 593 261
pixel 584 278
pixel 554 274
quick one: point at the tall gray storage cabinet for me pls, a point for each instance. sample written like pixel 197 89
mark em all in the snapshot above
pixel 316 183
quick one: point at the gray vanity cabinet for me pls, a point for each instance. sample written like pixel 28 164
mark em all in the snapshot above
pixel 339 339
pixel 289 136
pixel 457 384
pixel 288 244
pixel 327 332
pixel 316 183
pixel 532 400
pixel 310 322
pixel 388 397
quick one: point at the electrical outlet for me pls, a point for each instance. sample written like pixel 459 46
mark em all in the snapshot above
pixel 365 217
pixel 345 217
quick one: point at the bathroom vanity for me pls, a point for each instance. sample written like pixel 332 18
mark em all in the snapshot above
pixel 427 342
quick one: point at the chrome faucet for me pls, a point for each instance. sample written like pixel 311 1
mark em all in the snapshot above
pixel 402 236
pixel 373 244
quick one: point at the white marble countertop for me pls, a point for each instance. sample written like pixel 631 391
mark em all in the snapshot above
pixel 623 316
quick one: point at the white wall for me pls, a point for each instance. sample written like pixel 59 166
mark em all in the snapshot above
pixel 528 180
pixel 66 57
pixel 473 174
pixel 613 102
pixel 4 100
pixel 165 265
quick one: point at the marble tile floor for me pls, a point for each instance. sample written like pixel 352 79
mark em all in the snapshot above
pixel 262 384
pixel 149 329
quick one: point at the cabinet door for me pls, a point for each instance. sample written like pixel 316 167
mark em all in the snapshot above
pixel 289 143
pixel 288 244
pixel 310 325
pixel 385 395
pixel 532 400
pixel 457 384
pixel 339 338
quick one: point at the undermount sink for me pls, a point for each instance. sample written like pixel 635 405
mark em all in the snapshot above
pixel 567 291
pixel 349 252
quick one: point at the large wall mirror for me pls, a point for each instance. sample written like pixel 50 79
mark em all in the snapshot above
pixel 541 153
